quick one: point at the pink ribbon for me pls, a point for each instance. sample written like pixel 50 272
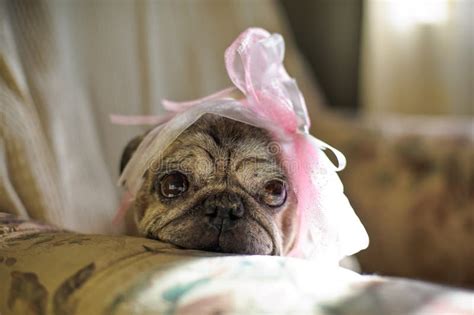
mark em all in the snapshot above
pixel 124 205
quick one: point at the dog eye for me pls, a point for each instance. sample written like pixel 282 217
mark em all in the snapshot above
pixel 173 185
pixel 274 193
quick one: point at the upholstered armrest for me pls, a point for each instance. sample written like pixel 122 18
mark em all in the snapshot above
pixel 44 270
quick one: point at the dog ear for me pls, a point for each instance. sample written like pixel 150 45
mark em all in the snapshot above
pixel 129 150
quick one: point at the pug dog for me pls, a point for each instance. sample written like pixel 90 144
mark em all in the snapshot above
pixel 220 186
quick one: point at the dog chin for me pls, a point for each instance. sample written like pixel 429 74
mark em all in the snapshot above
pixel 247 237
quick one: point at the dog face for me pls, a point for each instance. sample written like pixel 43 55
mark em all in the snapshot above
pixel 220 186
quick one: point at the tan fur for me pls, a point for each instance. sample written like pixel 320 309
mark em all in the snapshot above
pixel 219 156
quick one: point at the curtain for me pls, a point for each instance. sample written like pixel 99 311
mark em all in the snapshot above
pixel 418 57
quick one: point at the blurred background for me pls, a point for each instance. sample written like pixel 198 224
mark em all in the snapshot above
pixel 387 82
pixel 399 57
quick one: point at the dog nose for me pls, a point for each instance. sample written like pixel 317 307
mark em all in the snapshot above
pixel 223 209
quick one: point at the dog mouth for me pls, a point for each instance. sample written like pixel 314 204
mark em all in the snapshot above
pixel 223 238
pixel 247 237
